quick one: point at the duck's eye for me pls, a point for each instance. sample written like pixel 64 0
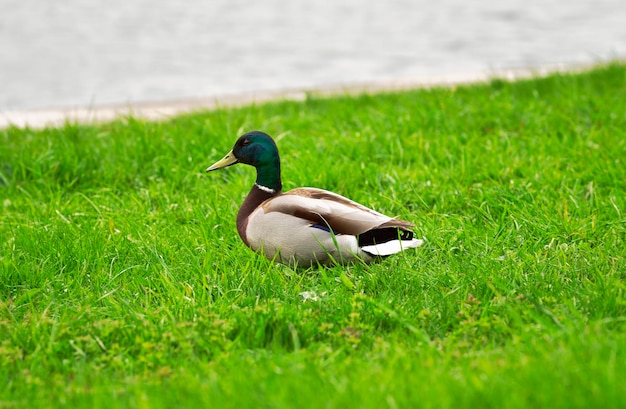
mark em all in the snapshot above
pixel 246 142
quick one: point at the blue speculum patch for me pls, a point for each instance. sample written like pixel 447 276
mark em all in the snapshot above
pixel 322 227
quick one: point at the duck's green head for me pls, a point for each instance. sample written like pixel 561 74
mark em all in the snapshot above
pixel 256 149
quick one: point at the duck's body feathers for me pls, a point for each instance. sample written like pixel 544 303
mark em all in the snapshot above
pixel 309 225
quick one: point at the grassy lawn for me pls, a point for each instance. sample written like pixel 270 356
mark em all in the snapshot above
pixel 123 282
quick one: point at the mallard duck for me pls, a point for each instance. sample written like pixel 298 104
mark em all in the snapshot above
pixel 306 226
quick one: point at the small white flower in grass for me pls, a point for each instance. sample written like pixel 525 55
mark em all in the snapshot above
pixel 311 296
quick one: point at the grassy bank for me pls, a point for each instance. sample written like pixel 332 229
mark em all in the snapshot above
pixel 123 282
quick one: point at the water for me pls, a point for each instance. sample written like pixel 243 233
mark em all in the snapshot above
pixel 73 53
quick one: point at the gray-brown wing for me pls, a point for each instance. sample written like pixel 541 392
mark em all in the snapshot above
pixel 325 208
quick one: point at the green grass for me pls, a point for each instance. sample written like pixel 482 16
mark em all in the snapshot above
pixel 123 282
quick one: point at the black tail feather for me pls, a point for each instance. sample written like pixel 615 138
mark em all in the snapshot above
pixel 378 236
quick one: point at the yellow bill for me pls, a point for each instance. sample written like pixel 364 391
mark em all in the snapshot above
pixel 227 160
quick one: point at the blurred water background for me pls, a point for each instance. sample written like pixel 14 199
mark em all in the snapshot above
pixel 73 53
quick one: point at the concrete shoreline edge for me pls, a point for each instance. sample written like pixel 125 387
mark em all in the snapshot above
pixel 38 119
